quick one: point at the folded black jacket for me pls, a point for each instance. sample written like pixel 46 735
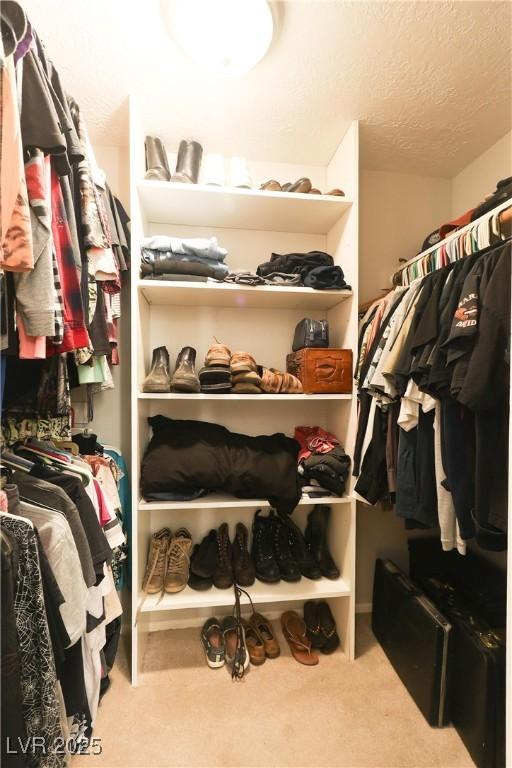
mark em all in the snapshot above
pixel 195 454
pixel 325 278
pixel 295 263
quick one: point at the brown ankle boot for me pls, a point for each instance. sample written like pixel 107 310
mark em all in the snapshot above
pixel 159 377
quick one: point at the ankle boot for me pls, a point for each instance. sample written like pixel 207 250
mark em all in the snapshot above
pixel 223 575
pixel 157 166
pixel 184 378
pixel 287 566
pixel 188 162
pixel 205 559
pixel 243 566
pixel 199 583
pixel 267 570
pixel 159 377
pixel 300 552
pixel 316 540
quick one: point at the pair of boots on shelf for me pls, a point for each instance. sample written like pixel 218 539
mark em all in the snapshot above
pixel 184 378
pixel 188 161
pixel 219 562
pixel 281 551
pixel 168 562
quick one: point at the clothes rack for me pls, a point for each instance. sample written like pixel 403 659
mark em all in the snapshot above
pixel 451 248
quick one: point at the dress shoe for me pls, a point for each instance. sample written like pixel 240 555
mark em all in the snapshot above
pixel 316 540
pixel 178 561
pixel 243 566
pixel 204 559
pixel 159 377
pixel 188 162
pixel 301 185
pixel 223 574
pixel 184 378
pixel 267 570
pixel 300 553
pixel 157 562
pixel 288 568
pixel 157 167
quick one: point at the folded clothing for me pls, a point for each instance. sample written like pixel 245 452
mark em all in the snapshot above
pixel 295 263
pixel 167 262
pixel 186 454
pixel 324 278
pixel 321 459
pixel 274 278
pixel 204 247
pixel 178 278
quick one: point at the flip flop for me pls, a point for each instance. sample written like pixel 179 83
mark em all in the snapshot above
pixel 294 630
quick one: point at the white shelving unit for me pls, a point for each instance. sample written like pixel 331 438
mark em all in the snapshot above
pixel 251 224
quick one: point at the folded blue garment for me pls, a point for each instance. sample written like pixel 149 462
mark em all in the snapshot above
pixel 206 247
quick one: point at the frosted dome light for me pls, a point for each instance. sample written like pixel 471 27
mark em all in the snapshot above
pixel 226 37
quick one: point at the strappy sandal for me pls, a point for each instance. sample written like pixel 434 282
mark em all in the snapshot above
pixel 291 385
pixel 330 636
pixel 271 381
pixel 294 630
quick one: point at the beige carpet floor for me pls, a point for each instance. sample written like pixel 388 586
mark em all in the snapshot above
pixel 337 714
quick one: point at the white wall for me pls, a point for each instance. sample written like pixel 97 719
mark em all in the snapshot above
pixel 479 178
pixel 397 211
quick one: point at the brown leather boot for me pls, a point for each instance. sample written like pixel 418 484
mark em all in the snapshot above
pixel 243 565
pixel 159 377
pixel 184 378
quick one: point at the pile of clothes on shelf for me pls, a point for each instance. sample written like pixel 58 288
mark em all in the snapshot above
pixel 323 464
pixel 183 259
pixel 315 269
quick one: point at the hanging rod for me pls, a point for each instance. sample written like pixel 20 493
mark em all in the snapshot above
pixel 452 236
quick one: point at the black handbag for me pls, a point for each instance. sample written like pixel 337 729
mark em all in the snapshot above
pixel 310 333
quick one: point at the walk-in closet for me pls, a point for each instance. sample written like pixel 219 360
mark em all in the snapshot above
pixel 255 301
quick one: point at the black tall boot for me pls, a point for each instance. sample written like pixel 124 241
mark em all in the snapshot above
pixel 316 540
pixel 159 376
pixel 267 570
pixel 281 542
pixel 157 166
pixel 301 554
pixel 188 163
pixel 184 378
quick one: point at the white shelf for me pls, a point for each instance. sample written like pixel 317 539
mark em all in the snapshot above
pixel 262 398
pixel 225 501
pixel 303 590
pixel 167 202
pixel 229 295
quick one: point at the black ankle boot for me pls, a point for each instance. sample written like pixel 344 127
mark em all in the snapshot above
pixel 316 540
pixel 205 559
pixel 156 160
pixel 300 553
pixel 188 162
pixel 243 566
pixel 159 377
pixel 267 570
pixel 288 568
pixel 184 378
pixel 223 575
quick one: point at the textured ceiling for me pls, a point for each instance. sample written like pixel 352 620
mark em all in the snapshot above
pixel 429 81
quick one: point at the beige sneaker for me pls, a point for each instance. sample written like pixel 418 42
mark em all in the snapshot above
pixel 157 562
pixel 178 561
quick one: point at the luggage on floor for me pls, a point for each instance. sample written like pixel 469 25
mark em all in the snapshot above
pixel 477 677
pixel 416 638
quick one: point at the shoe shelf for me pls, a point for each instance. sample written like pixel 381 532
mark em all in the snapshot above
pixel 282 592
pixel 167 202
pixel 225 501
pixel 165 292
pixel 263 398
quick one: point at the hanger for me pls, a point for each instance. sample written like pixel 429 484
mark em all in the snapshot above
pixel 16 462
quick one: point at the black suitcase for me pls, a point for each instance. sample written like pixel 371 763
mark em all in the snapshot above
pixel 477 677
pixel 483 583
pixel 416 638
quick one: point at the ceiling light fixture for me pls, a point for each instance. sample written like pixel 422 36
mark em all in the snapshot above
pixel 224 37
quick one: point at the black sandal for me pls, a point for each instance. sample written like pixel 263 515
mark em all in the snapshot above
pixel 313 629
pixel 327 624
